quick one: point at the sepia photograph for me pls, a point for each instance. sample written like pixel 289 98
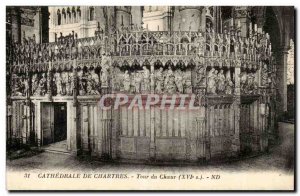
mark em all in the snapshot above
pixel 150 98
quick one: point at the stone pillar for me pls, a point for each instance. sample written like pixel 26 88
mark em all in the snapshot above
pixel 167 20
pixel 75 131
pixel 282 80
pixel 38 123
pixel 236 108
pixel 136 15
pixel 83 21
pixel 114 132
pixel 16 24
pixel 218 19
pixel 241 19
pixel 123 17
pixel 152 116
pixel 176 19
pixel 9 124
pixel 52 23
pixel 190 18
pixel 203 19
pixel 74 118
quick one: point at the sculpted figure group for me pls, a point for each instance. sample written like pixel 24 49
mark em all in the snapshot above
pixel 166 81
pixel 219 83
pixel 137 82
pixel 64 84
pixel 20 86
pixel 89 83
pixel 249 83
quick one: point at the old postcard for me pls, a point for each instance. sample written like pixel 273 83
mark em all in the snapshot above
pixel 150 97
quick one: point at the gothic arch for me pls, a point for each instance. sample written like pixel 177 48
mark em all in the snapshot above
pixel 278 21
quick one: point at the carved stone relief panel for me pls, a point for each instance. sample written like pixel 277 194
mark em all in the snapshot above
pixel 39 84
pixel 220 81
pixel 249 82
pixel 89 81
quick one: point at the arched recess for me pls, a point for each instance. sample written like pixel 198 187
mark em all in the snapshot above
pixel 278 21
pixel 290 115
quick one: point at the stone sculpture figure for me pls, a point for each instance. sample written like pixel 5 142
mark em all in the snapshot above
pixel 127 81
pixel 104 77
pixel 137 82
pixel 159 81
pixel 170 85
pixel 81 82
pixel 58 83
pixel 201 76
pixel 146 79
pixel 169 73
pixel 70 84
pixel 42 89
pixel 64 82
pixel 115 82
pixel 188 87
pixel 243 82
pixel 89 87
pixel 273 82
pixel 252 83
pixel 211 81
pixel 94 79
pixel 264 75
pixel 34 84
pixel 228 84
pixel 249 85
pixel 18 86
pixel 26 87
pixel 221 82
pixel 179 81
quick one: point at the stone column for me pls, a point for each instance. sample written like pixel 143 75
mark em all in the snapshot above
pixel 167 20
pixel 9 124
pixel 282 80
pixel 85 129
pixel 190 18
pixel 152 115
pixel 241 19
pixel 236 108
pixel 203 19
pixel 83 21
pixel 122 17
pixel 16 24
pixel 136 14
pixel 114 132
pixel 38 123
pixel 52 23
pixel 74 139
pixel 75 120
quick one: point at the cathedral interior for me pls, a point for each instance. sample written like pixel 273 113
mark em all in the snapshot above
pixel 236 60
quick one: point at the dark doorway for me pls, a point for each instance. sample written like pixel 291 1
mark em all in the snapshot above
pixel 54 124
pixel 60 122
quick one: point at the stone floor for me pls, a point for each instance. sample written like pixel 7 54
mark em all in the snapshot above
pixel 57 147
pixel 280 157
